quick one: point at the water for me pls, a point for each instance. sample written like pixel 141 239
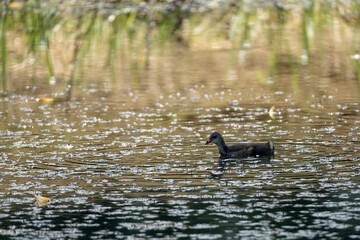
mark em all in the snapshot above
pixel 127 159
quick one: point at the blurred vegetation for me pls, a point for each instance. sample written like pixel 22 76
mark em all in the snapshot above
pixel 297 32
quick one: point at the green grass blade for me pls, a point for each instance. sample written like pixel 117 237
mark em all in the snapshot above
pixel 3 50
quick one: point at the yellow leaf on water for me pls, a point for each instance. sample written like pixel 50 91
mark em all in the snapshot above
pixel 272 112
pixel 16 5
pixel 46 100
pixel 43 201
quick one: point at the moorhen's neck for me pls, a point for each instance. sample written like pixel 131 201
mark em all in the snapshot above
pixel 223 148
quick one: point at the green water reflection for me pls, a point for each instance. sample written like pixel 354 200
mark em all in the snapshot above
pixel 58 37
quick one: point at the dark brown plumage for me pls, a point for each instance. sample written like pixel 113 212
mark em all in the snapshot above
pixel 241 150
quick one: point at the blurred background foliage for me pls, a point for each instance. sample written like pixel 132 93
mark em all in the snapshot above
pixel 57 36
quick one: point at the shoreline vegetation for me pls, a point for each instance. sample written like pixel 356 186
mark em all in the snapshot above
pixel 55 38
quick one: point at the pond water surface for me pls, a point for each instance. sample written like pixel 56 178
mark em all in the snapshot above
pixel 127 159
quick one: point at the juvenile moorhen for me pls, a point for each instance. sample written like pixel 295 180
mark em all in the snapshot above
pixel 241 150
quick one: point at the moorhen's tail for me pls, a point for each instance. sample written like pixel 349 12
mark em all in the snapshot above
pixel 271 147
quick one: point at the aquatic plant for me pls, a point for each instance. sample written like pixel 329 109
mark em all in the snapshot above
pixel 132 28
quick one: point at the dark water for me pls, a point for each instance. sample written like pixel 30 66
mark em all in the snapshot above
pixel 127 159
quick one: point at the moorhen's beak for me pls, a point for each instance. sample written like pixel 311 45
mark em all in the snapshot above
pixel 208 141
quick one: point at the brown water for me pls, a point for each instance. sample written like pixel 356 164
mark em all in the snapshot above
pixel 126 158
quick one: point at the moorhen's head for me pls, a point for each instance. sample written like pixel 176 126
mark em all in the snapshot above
pixel 215 138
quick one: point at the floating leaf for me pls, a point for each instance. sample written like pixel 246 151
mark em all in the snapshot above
pixel 272 112
pixel 42 201
pixel 46 100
